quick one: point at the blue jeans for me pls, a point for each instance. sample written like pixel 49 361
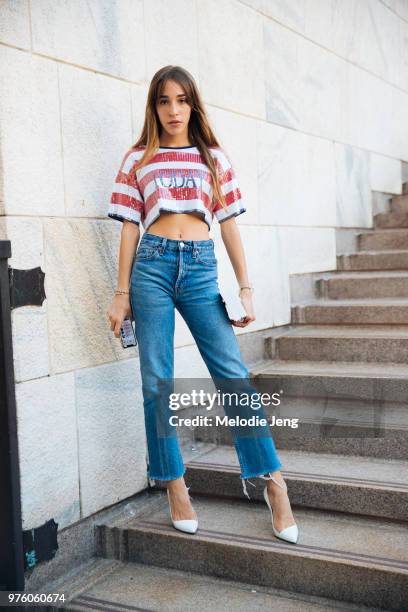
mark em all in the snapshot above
pixel 168 274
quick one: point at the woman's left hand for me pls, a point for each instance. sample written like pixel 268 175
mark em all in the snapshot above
pixel 246 299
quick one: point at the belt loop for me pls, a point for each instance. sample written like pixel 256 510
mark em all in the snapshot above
pixel 195 249
pixel 163 245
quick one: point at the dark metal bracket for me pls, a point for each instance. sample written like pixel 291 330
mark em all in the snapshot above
pixel 26 287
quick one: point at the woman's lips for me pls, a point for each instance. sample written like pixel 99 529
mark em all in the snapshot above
pixel 174 122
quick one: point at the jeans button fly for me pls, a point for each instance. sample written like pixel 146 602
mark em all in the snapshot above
pixel 181 244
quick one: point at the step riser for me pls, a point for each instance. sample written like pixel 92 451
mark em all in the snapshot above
pixel 324 419
pixel 379 261
pixel 392 444
pixel 382 241
pixel 391 220
pixel 236 559
pixel 392 390
pixel 363 288
pixel 399 205
pixel 363 498
pixel 350 315
pixel 366 350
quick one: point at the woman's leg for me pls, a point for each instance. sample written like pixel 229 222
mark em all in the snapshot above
pixel 153 312
pixel 151 295
pixel 205 314
pixel 255 448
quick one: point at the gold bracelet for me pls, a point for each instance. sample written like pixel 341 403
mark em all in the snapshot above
pixel 121 291
pixel 241 288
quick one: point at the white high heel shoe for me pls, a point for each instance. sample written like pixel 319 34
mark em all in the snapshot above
pixel 186 525
pixel 289 534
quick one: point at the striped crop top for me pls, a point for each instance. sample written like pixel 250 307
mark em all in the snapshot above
pixel 176 180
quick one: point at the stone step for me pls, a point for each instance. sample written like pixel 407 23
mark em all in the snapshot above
pixel 387 240
pixel 399 203
pixel 336 424
pixel 137 586
pixel 361 485
pixel 393 219
pixel 347 285
pixel 357 343
pixel 373 311
pixel 345 557
pixel 374 260
pixel 324 378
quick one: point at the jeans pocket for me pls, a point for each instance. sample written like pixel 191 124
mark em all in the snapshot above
pixel 206 258
pixel 146 252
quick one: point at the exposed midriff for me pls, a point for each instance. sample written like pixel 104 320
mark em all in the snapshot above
pixel 180 226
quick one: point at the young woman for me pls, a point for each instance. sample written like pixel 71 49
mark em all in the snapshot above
pixel 174 180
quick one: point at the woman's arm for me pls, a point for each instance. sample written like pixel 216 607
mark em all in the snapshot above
pixel 120 306
pixel 128 243
pixel 232 239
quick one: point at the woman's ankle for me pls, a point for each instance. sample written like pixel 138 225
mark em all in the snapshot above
pixel 275 482
pixel 177 484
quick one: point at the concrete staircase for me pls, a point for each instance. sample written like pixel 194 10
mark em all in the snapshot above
pixel 342 370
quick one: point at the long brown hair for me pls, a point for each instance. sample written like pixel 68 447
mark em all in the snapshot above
pixel 199 130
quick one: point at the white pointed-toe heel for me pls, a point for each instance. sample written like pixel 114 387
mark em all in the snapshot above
pixel 289 534
pixel 186 525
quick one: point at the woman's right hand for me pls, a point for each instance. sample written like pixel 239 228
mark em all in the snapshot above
pixel 119 310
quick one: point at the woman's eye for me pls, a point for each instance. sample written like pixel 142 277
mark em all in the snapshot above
pixel 165 101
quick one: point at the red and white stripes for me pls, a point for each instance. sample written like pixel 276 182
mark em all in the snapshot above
pixel 175 180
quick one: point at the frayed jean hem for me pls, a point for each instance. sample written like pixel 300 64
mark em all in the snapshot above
pixel 152 479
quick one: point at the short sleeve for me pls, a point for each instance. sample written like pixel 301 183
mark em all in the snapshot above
pixel 231 191
pixel 126 203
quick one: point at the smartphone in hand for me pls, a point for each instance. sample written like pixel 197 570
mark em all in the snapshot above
pixel 127 334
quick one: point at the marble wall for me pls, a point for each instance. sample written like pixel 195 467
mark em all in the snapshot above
pixel 309 98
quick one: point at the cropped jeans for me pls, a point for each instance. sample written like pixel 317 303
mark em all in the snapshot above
pixel 168 274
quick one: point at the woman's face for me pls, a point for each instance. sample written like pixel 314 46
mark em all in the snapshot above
pixel 172 107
